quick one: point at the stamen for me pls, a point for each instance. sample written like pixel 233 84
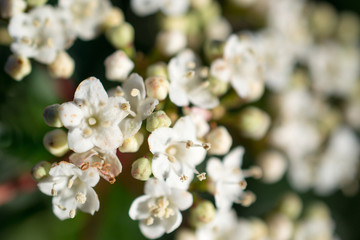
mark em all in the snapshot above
pixel 171 158
pixel 53 192
pixel 119 92
pixel 189 144
pixel 201 176
pixel 254 172
pixel 206 146
pixel 80 198
pixel 72 213
pixel 84 166
pixel 204 72
pixel 125 106
pixel 149 221
pixel 243 184
pixel 61 207
pixel 134 92
pixel 50 42
pixel 248 199
pixel 191 65
pixel 70 183
pixel 87 132
pixel 190 74
pixel 183 178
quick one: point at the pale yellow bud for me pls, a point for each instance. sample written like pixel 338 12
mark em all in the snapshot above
pixel 157 120
pixel 55 142
pixel 217 87
pixel 113 18
pixel 40 170
pixel 158 69
pixel 18 67
pixel 51 116
pixel 121 36
pixel 203 213
pixel 280 227
pixel 141 169
pixel 157 87
pixel 132 144
pixel 273 165
pixel 63 65
pixel 253 123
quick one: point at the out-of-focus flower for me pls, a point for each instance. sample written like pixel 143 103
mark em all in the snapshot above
pixel 254 123
pixel 220 140
pixel 9 8
pixel 118 66
pixel 159 209
pixel 72 189
pixel 273 165
pixel 200 118
pixel 156 120
pixel 171 42
pixel 168 7
pixel 63 65
pixel 18 67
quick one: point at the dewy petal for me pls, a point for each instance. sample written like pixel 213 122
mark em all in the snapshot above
pixel 214 168
pixel 156 188
pixel 221 70
pixel 145 7
pixel 161 166
pixel 139 208
pixel 173 222
pixel 152 231
pixel 70 114
pixel 109 138
pixel 92 91
pixel 92 203
pixel 181 198
pixel 160 138
pixel 147 107
pixel 203 98
pixel 77 142
pixel 178 95
pixel 234 158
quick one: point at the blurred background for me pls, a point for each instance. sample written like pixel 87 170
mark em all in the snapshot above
pixel 25 213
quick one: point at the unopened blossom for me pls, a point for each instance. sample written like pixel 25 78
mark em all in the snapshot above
pixel 220 140
pixel 56 143
pixel 186 84
pixel 168 7
pixel 158 211
pixel 9 8
pixel 273 165
pixel 87 16
pixel 93 117
pixel 157 87
pixel 229 179
pixel 40 33
pixel 118 66
pixel 176 150
pixel 280 226
pixel 141 106
pixel 72 189
pixel 18 67
pixel 106 162
pixel 171 42
pixel 240 65
pixel 219 29
pixel 63 65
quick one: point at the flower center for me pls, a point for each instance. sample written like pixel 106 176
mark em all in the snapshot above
pixel 161 209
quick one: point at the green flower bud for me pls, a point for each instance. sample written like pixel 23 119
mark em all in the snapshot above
pixel 141 169
pixel 18 67
pixel 36 3
pixel 132 144
pixel 55 142
pixel 121 36
pixel 217 87
pixel 202 214
pixel 157 120
pixel 254 123
pixel 51 116
pixel 291 206
pixel 113 18
pixel 40 170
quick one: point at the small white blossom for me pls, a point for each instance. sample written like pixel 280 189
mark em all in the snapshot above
pixel 176 150
pixel 71 189
pixel 168 7
pixel 186 84
pixel 159 209
pixel 118 66
pixel 93 117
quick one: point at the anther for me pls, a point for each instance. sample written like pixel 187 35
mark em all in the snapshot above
pixel 53 192
pixel 206 146
pixel 80 198
pixel 61 207
pixel 92 121
pixel 149 221
pixel 183 178
pixel 191 65
pixel 243 184
pixel 125 106
pixel 72 213
pixel 134 92
pixel 201 176
pixel 190 74
pixel 70 183
pixel 189 144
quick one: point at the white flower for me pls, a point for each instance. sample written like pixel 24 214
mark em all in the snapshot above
pixel 118 66
pixel 159 209
pixel 168 7
pixel 141 106
pixel 87 16
pixel 9 8
pixel 176 150
pixel 71 189
pixel 186 84
pixel 240 65
pixel 200 118
pixel 106 162
pixel 93 118
pixel 228 178
pixel 40 33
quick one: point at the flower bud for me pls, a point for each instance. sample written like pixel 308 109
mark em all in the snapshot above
pixel 157 69
pixel 273 165
pixel 51 116
pixel 36 3
pixel 323 20
pixel 55 142
pixel 18 67
pixel 171 42
pixel 9 8
pixel 113 18
pixel 218 29
pixel 254 123
pixel 178 23
pixel 199 4
pixel 202 214
pixel 217 87
pixel 5 38
pixel 349 27
pixel 280 227
pixel 259 228
pixel 63 65
pixel 220 141
pixel 132 144
pixel 291 206
pixel 157 120
pixel 40 170
pixel 256 91
pixel 118 66
pixel 157 87
pixel 121 36
pixel 318 210
pixel 141 169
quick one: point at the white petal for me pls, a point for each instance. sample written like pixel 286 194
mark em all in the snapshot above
pixel 135 81
pixel 234 158
pixel 70 114
pixel 223 202
pixel 182 199
pixel 161 166
pixel 77 142
pixel 156 188
pixel 61 214
pixel 185 129
pixel 92 203
pixel 112 112
pixel 146 107
pixel 45 185
pixel 130 126
pixel 152 231
pixel 214 168
pixel 139 208
pixel 92 91
pixel 202 97
pixel 178 95
pixel 160 138
pixel 240 85
pixel 173 222
pixel 90 176
pixel 108 138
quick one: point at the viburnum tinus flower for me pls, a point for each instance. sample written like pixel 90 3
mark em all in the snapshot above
pixel 176 150
pixel 186 83
pixel 159 209
pixel 40 33
pixel 229 179
pixel 240 65
pixel 72 189
pixel 93 118
pixel 168 7
pixel 106 162
pixel 141 106
pixel 87 16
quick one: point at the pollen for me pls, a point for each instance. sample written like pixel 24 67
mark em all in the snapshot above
pixel 80 198
pixel 201 176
